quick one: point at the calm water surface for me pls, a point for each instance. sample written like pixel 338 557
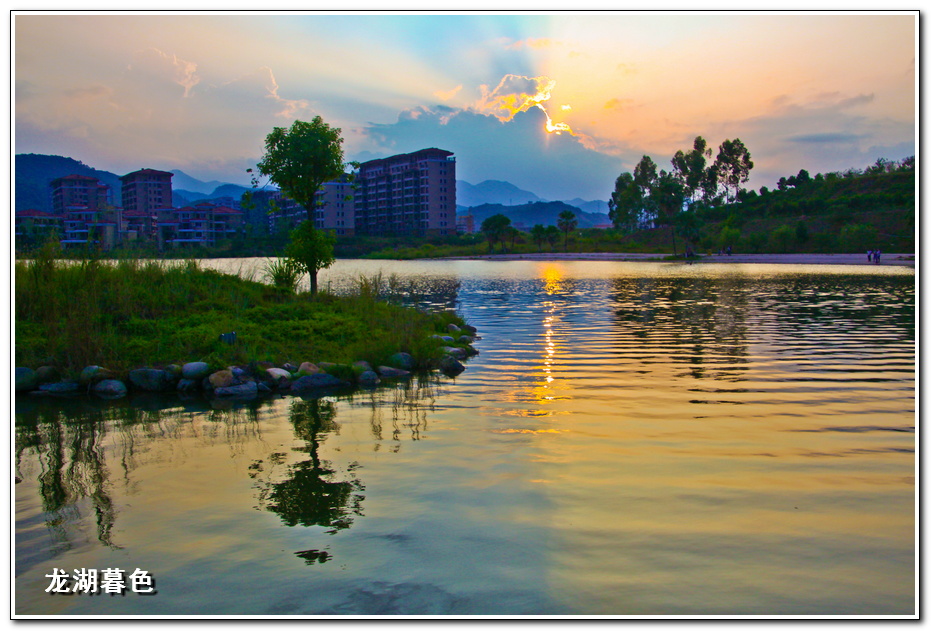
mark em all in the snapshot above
pixel 634 438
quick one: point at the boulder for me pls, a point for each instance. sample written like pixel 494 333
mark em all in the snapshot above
pixel 290 367
pixel 222 379
pixel 263 388
pixel 450 366
pixel 151 379
pixel 110 389
pixel 195 370
pixel 61 387
pixel 404 361
pixel 452 328
pixel 174 370
pixel 188 385
pixel 387 372
pixel 240 374
pixel 360 367
pixel 47 374
pixel 314 382
pixel 248 389
pixel 307 368
pixel 26 379
pixel 93 374
pixel 369 379
pixel 277 374
pixel 465 339
pixel 471 330
pixel 458 353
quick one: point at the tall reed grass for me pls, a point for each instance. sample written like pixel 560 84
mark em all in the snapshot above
pixel 130 313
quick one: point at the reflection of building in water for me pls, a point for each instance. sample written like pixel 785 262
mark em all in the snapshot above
pixel 695 320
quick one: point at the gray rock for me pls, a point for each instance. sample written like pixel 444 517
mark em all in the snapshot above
pixel 452 328
pixel 93 374
pixel 450 366
pixel 369 379
pixel 263 388
pixel 308 368
pixel 465 339
pixel 47 374
pixel 404 361
pixel 151 379
pixel 25 379
pixel 222 379
pixel 61 387
pixel 471 330
pixel 290 367
pixel 195 370
pixel 277 374
pixel 248 389
pixel 110 389
pixel 458 353
pixel 320 380
pixel 361 366
pixel 188 385
pixel 387 372
pixel 241 374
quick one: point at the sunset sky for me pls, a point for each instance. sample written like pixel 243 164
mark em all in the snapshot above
pixel 821 92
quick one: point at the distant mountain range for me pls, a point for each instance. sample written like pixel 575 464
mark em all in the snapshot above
pixel 521 205
pixel 34 173
pixel 525 216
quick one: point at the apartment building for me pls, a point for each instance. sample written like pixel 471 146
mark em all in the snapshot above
pixel 203 224
pixel 407 194
pixel 78 190
pixel 334 210
pixel 146 190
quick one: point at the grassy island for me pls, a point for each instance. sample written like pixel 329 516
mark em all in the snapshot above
pixel 131 313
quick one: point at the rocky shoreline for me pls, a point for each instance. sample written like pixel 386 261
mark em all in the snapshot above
pixel 249 381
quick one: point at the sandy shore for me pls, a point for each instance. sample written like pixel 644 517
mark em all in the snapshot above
pixel 907 260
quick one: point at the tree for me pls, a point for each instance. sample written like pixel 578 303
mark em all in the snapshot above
pixel 667 198
pixel 733 165
pixel 538 234
pixel 689 167
pixel 301 159
pixel 567 222
pixel 626 203
pixel 552 236
pixel 311 250
pixel 495 228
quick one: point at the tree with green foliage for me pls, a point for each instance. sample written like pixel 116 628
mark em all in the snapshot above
pixel 495 228
pixel 667 197
pixel 538 234
pixel 552 236
pixel 567 222
pixel 782 238
pixel 733 165
pixel 626 203
pixel 301 159
pixel 690 168
pixel 311 250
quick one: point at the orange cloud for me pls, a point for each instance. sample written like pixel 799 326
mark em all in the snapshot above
pixel 445 96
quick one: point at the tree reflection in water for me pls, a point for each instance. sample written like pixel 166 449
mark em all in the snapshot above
pixel 310 495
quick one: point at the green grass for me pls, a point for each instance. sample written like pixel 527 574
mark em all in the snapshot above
pixel 127 314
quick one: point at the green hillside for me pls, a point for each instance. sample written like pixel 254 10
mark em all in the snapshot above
pixel 34 173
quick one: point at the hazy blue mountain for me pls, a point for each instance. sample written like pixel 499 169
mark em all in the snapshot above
pixel 184 182
pixel 525 216
pixel 492 192
pixel 595 206
pixel 34 172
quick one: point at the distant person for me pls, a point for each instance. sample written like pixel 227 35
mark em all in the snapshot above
pixel 728 250
pixel 876 255
pixel 869 255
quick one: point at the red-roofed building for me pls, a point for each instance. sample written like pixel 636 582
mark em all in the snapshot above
pixel 34 227
pixel 147 190
pixel 78 190
pixel 202 224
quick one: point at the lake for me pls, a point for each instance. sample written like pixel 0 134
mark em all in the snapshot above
pixel 633 439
